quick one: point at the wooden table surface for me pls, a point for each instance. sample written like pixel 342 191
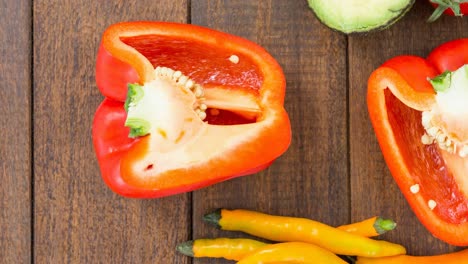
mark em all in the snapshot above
pixel 55 208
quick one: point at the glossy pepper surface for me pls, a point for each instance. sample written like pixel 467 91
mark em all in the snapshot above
pixel 185 107
pixel 238 248
pixel 419 113
pixel 228 248
pixel 291 252
pixel 293 229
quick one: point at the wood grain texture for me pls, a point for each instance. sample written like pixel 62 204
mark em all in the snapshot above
pixel 77 219
pixel 333 172
pixel 15 124
pixel 311 178
pixel 374 191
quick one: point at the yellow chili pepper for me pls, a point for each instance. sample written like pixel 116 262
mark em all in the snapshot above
pixel 450 258
pixel 228 248
pixel 370 227
pixel 285 229
pixel 291 252
pixel 235 249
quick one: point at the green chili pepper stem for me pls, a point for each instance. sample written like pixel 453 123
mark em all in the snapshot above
pixel 186 248
pixel 382 225
pixel 213 218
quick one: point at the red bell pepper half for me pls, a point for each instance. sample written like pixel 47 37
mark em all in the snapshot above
pixel 185 107
pixel 419 111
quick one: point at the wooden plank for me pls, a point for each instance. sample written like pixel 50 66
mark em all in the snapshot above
pixel 15 124
pixel 311 178
pixel 374 191
pixel 77 218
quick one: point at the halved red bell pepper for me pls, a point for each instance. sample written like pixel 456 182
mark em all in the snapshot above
pixel 217 111
pixel 433 177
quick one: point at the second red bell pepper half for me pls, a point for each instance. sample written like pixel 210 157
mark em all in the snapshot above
pixel 185 107
pixel 419 111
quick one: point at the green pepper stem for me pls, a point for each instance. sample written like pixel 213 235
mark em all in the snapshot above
pixel 138 127
pixel 382 225
pixel 134 94
pixel 186 248
pixel 213 218
pixel 442 82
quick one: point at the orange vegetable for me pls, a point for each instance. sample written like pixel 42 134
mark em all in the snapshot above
pixel 186 107
pixel 419 118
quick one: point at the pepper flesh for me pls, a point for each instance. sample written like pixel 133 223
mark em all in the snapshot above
pixel 288 229
pixel 444 123
pixel 244 102
pixel 398 93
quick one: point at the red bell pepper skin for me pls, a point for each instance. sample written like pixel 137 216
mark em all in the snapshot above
pixel 397 93
pixel 113 75
pixel 250 93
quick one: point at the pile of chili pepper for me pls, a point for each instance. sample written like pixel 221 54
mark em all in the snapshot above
pixel 302 240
